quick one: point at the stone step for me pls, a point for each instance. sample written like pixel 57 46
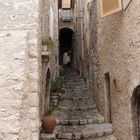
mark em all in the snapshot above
pixel 44 136
pixel 85 108
pixel 64 118
pixel 77 104
pixel 75 137
pixel 70 84
pixel 109 137
pixel 77 108
pixel 75 98
pixel 73 77
pixel 81 121
pixel 72 81
pixel 85 90
pixel 84 132
pixel 76 87
pixel 70 93
pixel 77 115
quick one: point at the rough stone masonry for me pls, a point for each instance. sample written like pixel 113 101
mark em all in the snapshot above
pixel 114 51
pixel 20 62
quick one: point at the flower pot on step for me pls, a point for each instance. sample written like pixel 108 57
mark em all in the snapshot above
pixel 48 123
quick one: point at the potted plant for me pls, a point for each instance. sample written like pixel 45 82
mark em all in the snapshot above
pixel 48 121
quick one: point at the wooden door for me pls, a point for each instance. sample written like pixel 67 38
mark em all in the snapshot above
pixel 108 98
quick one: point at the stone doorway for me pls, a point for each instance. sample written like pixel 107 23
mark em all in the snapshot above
pixel 108 98
pixel 47 89
pixel 66 46
pixel 136 112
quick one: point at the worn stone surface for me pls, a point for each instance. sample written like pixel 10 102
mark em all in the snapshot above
pixel 20 61
pixel 20 69
pixel 77 106
pixel 75 117
pixel 115 49
pixel 47 137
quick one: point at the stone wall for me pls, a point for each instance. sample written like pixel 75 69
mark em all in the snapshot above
pixel 82 35
pixel 78 21
pixel 54 64
pixel 49 54
pixel 116 52
pixel 86 37
pixel 20 69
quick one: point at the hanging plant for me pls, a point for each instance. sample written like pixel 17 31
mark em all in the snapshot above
pixel 49 42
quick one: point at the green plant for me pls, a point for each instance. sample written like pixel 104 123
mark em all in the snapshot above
pixel 56 85
pixel 48 110
pixel 49 42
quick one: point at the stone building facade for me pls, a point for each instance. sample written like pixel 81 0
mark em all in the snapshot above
pixel 50 63
pixel 114 65
pixel 21 34
pixel 106 52
pixel 82 35
pixel 110 61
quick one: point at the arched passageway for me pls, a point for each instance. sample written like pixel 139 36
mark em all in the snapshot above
pixel 136 113
pixel 66 46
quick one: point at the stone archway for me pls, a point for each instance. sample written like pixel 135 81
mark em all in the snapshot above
pixel 136 112
pixel 66 43
pixel 47 89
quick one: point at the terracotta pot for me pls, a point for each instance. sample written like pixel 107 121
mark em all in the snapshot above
pixel 48 123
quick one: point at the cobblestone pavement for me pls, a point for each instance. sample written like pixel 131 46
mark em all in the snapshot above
pixel 77 115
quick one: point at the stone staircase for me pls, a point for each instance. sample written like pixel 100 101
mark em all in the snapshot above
pixel 77 115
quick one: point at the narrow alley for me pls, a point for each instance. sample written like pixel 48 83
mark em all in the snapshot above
pixel 77 115
pixel 70 69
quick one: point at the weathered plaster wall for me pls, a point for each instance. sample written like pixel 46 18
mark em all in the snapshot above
pixel 117 51
pixel 50 59
pixel 20 62
pixel 78 21
pixel 54 61
pixel 86 38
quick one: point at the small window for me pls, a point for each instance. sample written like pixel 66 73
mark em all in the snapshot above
pixel 66 4
pixel 109 7
pixel 66 15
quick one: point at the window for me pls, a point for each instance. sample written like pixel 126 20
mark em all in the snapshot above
pixel 109 7
pixel 67 15
pixel 66 4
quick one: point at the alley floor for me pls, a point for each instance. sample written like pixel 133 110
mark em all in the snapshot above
pixel 77 115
